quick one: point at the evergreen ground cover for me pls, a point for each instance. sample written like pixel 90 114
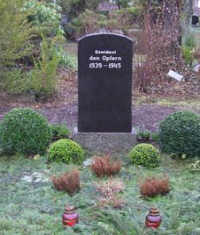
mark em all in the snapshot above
pixel 29 204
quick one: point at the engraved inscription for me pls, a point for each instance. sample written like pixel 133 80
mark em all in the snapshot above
pixel 105 59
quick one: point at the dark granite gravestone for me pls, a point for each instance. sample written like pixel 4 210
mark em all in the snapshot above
pixel 105 83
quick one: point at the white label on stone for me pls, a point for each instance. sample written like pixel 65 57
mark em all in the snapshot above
pixel 175 75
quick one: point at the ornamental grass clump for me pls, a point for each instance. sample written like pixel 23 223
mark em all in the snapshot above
pixel 104 166
pixel 24 131
pixel 68 182
pixel 153 186
pixel 179 134
pixel 65 150
pixel 145 155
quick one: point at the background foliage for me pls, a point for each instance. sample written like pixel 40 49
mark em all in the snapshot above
pixel 15 34
pixel 44 16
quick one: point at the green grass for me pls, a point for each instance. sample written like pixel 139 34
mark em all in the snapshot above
pixel 28 208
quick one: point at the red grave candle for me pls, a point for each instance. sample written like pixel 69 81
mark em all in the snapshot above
pixel 153 219
pixel 70 217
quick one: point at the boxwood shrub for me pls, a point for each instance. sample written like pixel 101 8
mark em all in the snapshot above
pixel 24 131
pixel 59 131
pixel 65 150
pixel 179 134
pixel 146 155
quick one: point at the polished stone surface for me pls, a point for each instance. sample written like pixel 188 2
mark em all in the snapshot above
pixel 105 83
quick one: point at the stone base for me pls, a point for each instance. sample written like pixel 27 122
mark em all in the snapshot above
pixel 106 142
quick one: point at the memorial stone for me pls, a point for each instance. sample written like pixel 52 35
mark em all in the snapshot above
pixel 105 83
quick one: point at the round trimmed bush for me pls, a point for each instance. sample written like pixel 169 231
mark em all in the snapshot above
pixel 66 150
pixel 179 134
pixel 146 155
pixel 24 131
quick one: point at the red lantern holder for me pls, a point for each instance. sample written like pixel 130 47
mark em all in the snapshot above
pixel 70 217
pixel 153 219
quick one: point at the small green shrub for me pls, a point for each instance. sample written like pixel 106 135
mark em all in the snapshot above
pixel 146 155
pixel 15 43
pixel 179 134
pixel 190 42
pixel 24 131
pixel 143 135
pixel 15 33
pixel 42 77
pixel 66 60
pixel 15 81
pixel 187 55
pixel 66 150
pixel 155 137
pixel 59 131
pixel 188 49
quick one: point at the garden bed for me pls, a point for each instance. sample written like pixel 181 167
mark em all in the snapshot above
pixel 30 204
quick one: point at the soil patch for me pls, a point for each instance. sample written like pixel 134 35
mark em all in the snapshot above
pixel 63 108
pixel 146 116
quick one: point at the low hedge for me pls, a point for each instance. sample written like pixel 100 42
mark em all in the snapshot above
pixel 179 134
pixel 146 155
pixel 65 150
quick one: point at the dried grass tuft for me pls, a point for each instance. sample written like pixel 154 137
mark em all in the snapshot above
pixel 68 182
pixel 152 187
pixel 104 166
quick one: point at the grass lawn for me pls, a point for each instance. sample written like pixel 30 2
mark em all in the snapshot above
pixel 31 205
